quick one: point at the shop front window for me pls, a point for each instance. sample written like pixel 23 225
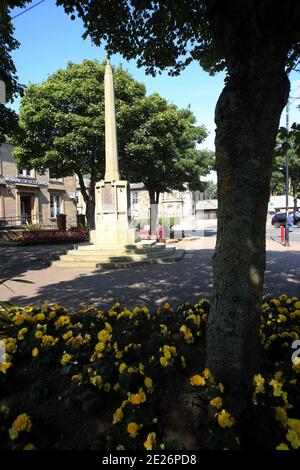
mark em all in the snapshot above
pixel 55 205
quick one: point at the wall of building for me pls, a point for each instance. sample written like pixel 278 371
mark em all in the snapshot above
pixel 31 193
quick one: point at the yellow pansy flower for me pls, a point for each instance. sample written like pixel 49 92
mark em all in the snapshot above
pixel 225 420
pixel 216 402
pixel 118 416
pixel 197 380
pixel 35 352
pixel 150 441
pixel 133 429
pixel 65 359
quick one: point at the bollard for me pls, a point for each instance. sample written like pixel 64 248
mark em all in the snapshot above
pixel 282 234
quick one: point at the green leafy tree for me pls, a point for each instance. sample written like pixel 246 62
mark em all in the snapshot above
pixel 288 140
pixel 8 118
pixel 62 124
pixel 257 42
pixel 162 151
pixel 210 190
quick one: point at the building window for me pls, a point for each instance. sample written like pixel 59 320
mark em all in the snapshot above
pixel 134 197
pixel 53 178
pixel 55 205
pixel 24 172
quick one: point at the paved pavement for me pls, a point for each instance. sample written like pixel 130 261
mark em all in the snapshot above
pixel 184 281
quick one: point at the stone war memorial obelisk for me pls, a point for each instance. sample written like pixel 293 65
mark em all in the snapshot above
pixel 113 244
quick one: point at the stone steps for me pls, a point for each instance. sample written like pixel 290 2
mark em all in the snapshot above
pixel 117 252
pixel 100 257
pixel 109 260
pixel 115 264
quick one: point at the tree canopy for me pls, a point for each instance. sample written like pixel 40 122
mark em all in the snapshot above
pixel 162 34
pixel 8 73
pixel 162 150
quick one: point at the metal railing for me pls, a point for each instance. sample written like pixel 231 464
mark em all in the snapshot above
pixel 12 223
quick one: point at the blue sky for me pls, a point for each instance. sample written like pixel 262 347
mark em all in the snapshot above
pixel 49 40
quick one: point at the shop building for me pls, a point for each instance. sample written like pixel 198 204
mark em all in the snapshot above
pixel 26 196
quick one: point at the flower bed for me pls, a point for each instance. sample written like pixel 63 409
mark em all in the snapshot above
pixel 131 379
pixel 25 237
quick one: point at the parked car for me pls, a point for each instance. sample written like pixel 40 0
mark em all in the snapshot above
pixel 279 219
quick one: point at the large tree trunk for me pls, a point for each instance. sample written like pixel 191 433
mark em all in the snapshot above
pixel 247 118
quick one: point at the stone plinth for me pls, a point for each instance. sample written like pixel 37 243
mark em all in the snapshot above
pixel 112 202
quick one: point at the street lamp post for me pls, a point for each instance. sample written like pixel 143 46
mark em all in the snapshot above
pixel 287 234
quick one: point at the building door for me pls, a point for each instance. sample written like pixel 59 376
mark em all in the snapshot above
pixel 26 208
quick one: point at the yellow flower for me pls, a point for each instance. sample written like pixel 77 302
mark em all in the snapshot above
pixel 21 333
pixel 48 340
pixel 67 335
pixel 107 387
pixel 280 414
pixel 138 398
pixel 163 361
pixel 122 367
pixel 21 423
pixel 118 416
pixel 296 365
pixel 108 327
pixel 216 402
pixel 197 380
pixel 4 410
pixel 65 359
pixel 259 382
pixel 76 378
pixel 278 376
pixel 4 366
pixel 225 420
pixel 96 380
pixel 294 424
pixel 148 383
pixel 133 429
pixel 100 346
pixel 116 387
pixel 10 345
pixel 297 305
pixel 103 335
pixel 35 352
pixel 38 334
pixel 150 441
pixel 208 375
pixel 167 306
pixel 293 438
pixel 29 446
pixel 63 320
pixel 277 386
pixel 38 317
pixel 282 447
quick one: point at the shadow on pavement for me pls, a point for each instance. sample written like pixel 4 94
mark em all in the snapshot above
pixel 184 281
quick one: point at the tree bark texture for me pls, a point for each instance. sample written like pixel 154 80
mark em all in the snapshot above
pixel 247 118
